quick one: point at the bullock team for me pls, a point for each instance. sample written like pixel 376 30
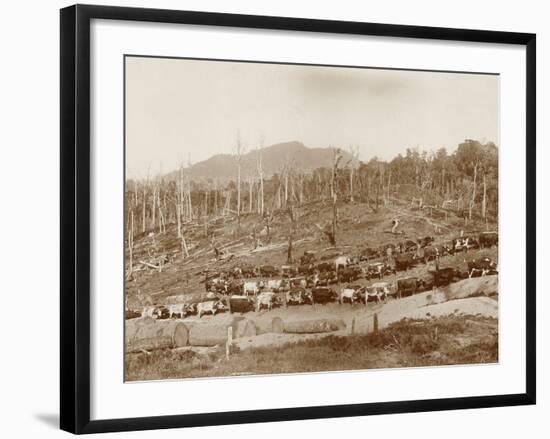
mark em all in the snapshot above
pixel 246 288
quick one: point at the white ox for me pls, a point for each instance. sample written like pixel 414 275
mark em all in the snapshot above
pixel 252 287
pixel 210 307
pixel 350 294
pixel 177 310
pixel 276 284
pixel 266 299
pixel 341 262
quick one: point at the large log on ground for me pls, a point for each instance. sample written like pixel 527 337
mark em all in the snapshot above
pixel 151 335
pixel 314 326
pixel 191 298
pixel 214 333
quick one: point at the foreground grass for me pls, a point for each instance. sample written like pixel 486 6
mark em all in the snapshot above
pixel 409 343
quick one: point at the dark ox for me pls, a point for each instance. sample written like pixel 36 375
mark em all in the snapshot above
pixel 307 258
pixel 432 252
pixel 328 277
pixel 268 271
pixel 488 239
pixel 288 271
pixel 408 246
pixel 323 295
pixel 306 269
pixel 409 286
pixel 368 254
pixel 325 266
pixel 349 274
pixel 427 240
pixel 404 261
pixel 444 276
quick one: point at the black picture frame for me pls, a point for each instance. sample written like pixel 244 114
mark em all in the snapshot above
pixel 75 217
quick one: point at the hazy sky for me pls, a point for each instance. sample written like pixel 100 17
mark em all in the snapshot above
pixel 176 108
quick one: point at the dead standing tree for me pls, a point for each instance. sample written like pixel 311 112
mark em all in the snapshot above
pixel 354 152
pixel 239 152
pixel 334 190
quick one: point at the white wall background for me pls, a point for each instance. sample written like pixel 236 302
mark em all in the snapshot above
pixel 29 200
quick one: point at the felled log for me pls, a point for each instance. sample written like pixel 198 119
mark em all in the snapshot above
pixel 215 333
pixel 148 334
pixel 314 326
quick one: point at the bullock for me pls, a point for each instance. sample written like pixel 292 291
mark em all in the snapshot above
pixel 288 271
pixel 369 253
pixel 306 269
pixel 266 299
pixel 324 266
pixel 465 243
pixel 295 296
pixel 341 262
pixel 404 261
pixel 210 307
pixel 241 304
pixel 427 240
pixel 312 281
pixel 248 271
pixel 161 312
pixel 408 246
pixel 190 309
pixel 307 258
pixel 431 253
pixel 268 271
pixel 233 287
pixel 177 311
pixel 443 276
pixel 277 284
pixel 149 311
pixel 349 274
pixel 378 291
pixel 217 284
pixel 378 269
pixel 481 267
pixel 408 286
pixel 488 239
pixel 327 278
pixel 131 314
pixel 323 295
pixel 252 287
pixel 298 282
pixel 350 294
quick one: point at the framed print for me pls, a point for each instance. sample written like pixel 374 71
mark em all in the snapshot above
pixel 284 218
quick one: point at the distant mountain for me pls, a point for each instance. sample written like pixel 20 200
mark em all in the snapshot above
pixel 274 158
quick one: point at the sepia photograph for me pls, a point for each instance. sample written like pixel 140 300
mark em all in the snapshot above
pixel 296 218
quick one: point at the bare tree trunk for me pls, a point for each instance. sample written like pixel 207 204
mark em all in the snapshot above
pixel 131 241
pixel 472 201
pixel 484 205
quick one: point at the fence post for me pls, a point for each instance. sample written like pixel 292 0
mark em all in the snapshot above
pixel 353 326
pixel 375 323
pixel 229 342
